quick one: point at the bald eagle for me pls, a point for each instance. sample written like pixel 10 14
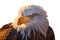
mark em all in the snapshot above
pixel 30 24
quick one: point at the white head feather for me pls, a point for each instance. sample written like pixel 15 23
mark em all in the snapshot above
pixel 37 23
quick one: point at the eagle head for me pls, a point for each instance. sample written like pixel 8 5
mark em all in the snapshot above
pixel 31 17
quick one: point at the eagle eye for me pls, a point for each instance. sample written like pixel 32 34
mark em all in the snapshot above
pixel 33 15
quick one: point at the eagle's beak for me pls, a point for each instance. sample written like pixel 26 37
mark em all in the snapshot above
pixel 22 20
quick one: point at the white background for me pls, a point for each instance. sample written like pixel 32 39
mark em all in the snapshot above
pixel 9 10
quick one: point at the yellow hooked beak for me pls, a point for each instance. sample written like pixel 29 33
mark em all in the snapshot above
pixel 20 21
pixel 23 19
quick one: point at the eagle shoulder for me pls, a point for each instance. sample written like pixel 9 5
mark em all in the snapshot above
pixel 5 30
pixel 50 34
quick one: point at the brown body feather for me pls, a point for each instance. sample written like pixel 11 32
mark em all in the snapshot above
pixel 11 34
